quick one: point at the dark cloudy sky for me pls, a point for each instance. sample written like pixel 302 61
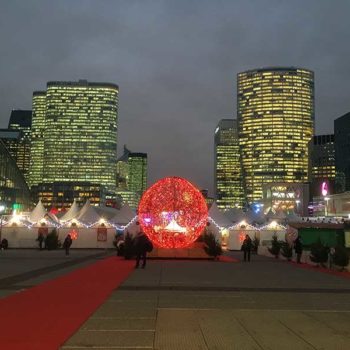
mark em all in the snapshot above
pixel 175 62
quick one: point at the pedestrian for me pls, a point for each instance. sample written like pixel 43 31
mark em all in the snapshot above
pixel 142 246
pixel 41 240
pixel 298 248
pixel 67 243
pixel 247 247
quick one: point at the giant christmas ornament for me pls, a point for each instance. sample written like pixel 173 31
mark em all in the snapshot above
pixel 173 213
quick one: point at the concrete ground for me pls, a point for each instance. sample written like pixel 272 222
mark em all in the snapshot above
pixel 264 304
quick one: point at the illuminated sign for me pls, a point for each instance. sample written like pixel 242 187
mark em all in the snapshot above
pixel 324 189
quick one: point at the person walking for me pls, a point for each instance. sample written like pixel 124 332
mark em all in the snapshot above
pixel 67 243
pixel 142 246
pixel 298 248
pixel 247 247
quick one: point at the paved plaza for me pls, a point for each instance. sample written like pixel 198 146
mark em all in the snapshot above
pixel 265 304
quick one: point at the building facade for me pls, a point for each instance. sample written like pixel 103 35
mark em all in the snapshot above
pixel 322 163
pixel 131 176
pixel 17 138
pixel 342 150
pixel 228 177
pixel 14 191
pixel 275 108
pixel 75 134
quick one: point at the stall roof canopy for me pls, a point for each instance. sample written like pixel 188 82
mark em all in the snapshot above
pixel 219 217
pixel 88 214
pixel 38 212
pixel 71 213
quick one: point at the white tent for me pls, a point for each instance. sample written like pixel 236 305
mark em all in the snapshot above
pixel 218 217
pixel 72 213
pixel 38 212
pixel 127 212
pixel 88 214
pixel 235 215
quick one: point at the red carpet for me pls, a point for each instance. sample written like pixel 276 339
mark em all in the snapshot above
pixel 225 258
pixel 344 274
pixel 45 316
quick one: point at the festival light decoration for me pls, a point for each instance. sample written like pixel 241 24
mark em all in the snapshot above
pixel 173 213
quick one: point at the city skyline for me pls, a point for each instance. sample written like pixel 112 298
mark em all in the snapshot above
pixel 176 65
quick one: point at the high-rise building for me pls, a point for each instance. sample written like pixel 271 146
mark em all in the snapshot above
pixel 137 179
pixel 276 123
pixel 131 176
pixel 14 191
pixel 322 163
pixel 228 177
pixel 75 133
pixel 37 144
pixel 342 149
pixel 17 138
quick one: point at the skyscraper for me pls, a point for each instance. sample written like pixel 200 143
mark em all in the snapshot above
pixel 276 121
pixel 228 179
pixel 131 176
pixel 137 180
pixel 17 139
pixel 342 149
pixel 75 133
pixel 322 163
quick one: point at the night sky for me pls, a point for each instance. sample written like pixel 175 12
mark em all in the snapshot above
pixel 175 62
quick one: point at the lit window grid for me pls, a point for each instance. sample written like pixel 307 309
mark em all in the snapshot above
pixel 80 134
pixel 137 174
pixel 276 114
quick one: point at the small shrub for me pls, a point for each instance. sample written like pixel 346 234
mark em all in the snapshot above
pixel 287 250
pixel 340 257
pixel 212 246
pixel 52 242
pixel 319 253
pixel 275 247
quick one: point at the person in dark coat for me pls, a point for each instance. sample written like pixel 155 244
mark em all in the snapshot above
pixel 142 246
pixel 67 243
pixel 298 248
pixel 247 247
pixel 41 239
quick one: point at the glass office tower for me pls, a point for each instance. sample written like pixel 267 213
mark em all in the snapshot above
pixel 37 138
pixel 276 122
pixel 228 179
pixel 75 138
pixel 137 179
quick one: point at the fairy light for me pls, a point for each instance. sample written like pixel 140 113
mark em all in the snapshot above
pixel 173 213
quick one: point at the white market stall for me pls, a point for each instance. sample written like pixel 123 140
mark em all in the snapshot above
pixel 238 232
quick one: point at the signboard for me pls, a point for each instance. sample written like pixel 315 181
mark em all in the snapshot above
pixel 102 234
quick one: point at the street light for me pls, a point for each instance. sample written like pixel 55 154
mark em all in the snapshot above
pixel 326 207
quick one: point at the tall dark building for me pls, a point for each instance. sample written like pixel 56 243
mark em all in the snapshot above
pixel 342 149
pixel 228 179
pixel 17 139
pixel 322 163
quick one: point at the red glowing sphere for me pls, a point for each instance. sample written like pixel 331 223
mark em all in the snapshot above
pixel 173 213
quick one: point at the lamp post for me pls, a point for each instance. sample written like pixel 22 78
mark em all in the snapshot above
pixel 297 203
pixel 326 207
pixel 2 209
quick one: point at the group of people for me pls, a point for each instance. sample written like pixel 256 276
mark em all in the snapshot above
pixel 247 246
pixel 66 243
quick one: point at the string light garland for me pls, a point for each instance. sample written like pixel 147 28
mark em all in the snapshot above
pixel 173 213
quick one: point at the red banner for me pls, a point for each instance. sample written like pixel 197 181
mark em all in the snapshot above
pixel 102 234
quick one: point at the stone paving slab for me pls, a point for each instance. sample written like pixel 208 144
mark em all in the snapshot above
pixel 251 307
